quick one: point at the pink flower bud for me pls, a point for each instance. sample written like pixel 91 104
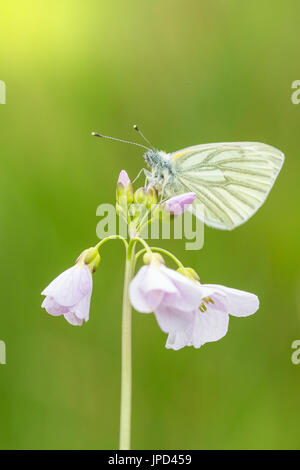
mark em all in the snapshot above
pixel 124 179
pixel 178 204
pixel 124 187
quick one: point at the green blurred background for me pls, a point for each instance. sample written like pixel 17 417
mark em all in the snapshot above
pixel 187 72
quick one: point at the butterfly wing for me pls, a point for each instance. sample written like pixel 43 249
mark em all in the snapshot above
pixel 231 180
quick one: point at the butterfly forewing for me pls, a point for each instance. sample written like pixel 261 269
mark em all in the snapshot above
pixel 232 180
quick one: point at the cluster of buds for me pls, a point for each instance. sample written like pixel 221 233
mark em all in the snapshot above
pixel 125 192
pixel 147 197
pixel 133 206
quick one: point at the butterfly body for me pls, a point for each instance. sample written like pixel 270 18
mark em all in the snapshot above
pixel 231 180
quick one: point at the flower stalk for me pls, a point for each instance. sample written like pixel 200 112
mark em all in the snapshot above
pixel 126 372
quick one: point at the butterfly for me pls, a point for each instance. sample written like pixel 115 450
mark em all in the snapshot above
pixel 230 179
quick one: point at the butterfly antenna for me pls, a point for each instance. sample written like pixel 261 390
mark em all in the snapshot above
pixel 135 127
pixel 96 134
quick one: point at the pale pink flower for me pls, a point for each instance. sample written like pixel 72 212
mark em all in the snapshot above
pixel 170 295
pixel 124 179
pixel 70 294
pixel 192 313
pixel 178 204
pixel 211 319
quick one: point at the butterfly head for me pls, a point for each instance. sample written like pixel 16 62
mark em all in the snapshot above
pixel 153 158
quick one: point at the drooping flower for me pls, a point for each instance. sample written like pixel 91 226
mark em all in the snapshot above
pixel 170 295
pixel 192 313
pixel 211 318
pixel 69 294
pixel 178 204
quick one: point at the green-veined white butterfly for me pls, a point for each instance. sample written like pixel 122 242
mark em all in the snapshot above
pixel 232 179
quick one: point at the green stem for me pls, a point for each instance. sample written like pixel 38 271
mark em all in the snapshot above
pixel 126 375
pixel 112 237
pixel 140 240
pixel 160 250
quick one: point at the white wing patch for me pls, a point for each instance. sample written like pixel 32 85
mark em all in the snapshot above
pixel 232 180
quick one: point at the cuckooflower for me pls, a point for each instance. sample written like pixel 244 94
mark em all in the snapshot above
pixel 178 204
pixel 211 318
pixel 69 294
pixel 192 313
pixel 170 295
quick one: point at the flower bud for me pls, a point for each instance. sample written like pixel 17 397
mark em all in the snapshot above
pixel 124 188
pixel 120 191
pixel 154 258
pixel 158 212
pixel 178 204
pixel 139 196
pixel 90 257
pixel 190 273
pixel 118 209
pixel 123 179
pixel 151 196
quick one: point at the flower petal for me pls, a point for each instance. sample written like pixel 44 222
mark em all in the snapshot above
pixel 70 286
pixel 209 326
pixel 73 319
pixel 171 319
pixel 137 298
pixel 236 302
pixel 178 340
pixel 82 309
pixel 155 279
pixel 53 307
pixel 148 287
pixel 190 291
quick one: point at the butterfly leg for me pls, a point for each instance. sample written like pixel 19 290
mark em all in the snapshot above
pixel 143 170
pixel 148 177
pixel 165 180
pixel 162 191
